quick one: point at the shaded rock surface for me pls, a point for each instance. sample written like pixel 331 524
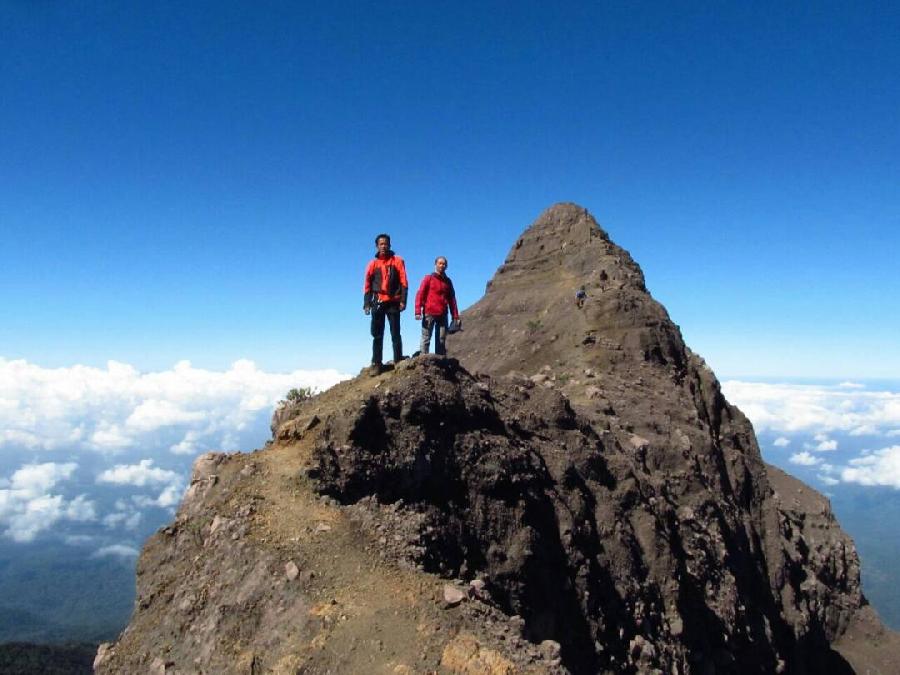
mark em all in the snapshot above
pixel 573 495
pixel 777 558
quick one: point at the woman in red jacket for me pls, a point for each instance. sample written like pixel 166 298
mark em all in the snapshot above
pixel 435 297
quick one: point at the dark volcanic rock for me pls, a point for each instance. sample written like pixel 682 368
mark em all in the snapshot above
pixel 629 562
pixel 507 478
pixel 738 555
pixel 578 466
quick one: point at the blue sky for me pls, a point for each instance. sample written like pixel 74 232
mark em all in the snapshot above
pixel 202 181
pixel 189 193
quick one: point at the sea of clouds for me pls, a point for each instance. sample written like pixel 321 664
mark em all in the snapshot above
pixel 93 460
pixel 86 453
pixel 95 456
pixel 847 432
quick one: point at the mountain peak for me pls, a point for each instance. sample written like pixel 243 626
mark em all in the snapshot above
pixel 572 494
pixel 566 245
pixel 563 223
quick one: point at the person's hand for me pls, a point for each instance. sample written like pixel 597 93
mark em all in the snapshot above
pixel 367 309
pixel 459 323
pixel 418 317
pixel 402 306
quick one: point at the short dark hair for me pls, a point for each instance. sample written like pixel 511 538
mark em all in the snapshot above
pixel 383 235
pixel 440 257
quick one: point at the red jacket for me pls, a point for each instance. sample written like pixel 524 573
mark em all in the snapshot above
pixel 435 295
pixel 385 280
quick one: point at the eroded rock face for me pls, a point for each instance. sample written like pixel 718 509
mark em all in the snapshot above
pixel 629 566
pixel 574 494
pixel 485 463
pixel 259 573
pixel 624 366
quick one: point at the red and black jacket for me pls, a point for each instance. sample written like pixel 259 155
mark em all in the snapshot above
pixel 385 281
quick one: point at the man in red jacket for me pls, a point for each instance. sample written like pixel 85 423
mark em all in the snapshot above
pixel 435 296
pixel 384 295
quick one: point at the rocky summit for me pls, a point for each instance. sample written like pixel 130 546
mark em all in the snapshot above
pixel 570 493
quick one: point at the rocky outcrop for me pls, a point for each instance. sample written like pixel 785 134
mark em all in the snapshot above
pixel 574 494
pixel 630 564
pixel 777 556
pixel 262 572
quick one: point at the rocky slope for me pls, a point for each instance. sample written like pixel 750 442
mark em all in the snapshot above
pixel 573 495
pixel 263 571
pixel 760 569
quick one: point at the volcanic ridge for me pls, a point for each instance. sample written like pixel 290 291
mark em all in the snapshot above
pixel 570 493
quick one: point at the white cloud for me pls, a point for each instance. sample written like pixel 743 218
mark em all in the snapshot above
pixel 881 467
pixel 822 410
pixel 19 437
pixel 109 437
pixel 151 423
pixel 120 550
pixel 126 519
pixel 153 414
pixel 34 515
pixel 781 442
pixel 822 444
pixel 34 479
pixel 81 509
pixel 189 410
pixel 140 474
pixel 804 459
pixel 168 498
pixel 792 408
pixel 188 445
pixel 27 507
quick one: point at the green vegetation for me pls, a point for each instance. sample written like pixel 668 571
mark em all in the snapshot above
pixel 533 326
pixel 296 395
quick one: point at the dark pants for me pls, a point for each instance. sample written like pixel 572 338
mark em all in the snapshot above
pixel 437 324
pixel 392 312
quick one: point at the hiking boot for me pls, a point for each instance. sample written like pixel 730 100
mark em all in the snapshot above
pixel 376 369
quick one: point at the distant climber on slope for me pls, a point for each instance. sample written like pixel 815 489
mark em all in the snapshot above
pixel 435 297
pixel 580 296
pixel 384 295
